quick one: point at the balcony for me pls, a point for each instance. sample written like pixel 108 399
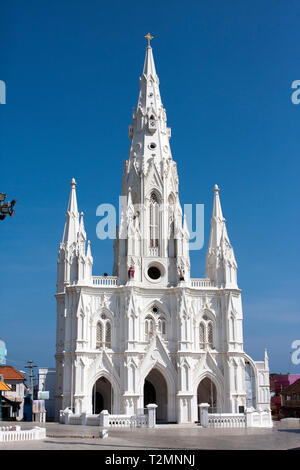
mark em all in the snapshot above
pixel 199 283
pixel 105 281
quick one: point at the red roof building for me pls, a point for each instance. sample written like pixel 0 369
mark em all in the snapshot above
pixel 10 373
pixel 290 400
pixel 13 398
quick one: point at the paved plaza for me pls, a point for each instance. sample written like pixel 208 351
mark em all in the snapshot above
pixel 64 437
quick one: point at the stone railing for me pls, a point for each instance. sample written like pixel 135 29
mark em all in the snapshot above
pixel 121 421
pixel 92 420
pixel 136 421
pixel 251 418
pixel 104 419
pixel 16 434
pixel 226 420
pixel 105 281
pixel 201 283
pixel 67 417
pixel 10 428
pixel 75 419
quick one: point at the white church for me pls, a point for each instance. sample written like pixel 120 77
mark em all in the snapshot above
pixel 150 333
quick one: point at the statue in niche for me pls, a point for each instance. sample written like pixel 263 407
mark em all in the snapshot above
pixel 131 273
pixel 181 272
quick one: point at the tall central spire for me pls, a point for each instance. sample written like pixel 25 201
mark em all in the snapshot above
pixel 148 132
pixel 152 237
pixel 149 66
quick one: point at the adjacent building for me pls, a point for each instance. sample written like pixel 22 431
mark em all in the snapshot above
pixel 46 383
pixel 278 384
pixel 290 400
pixel 13 399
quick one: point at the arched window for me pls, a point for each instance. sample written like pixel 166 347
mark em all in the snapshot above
pixel 108 334
pixel 162 326
pixel 210 335
pixel 154 221
pixel 149 327
pixel 185 378
pixel 103 334
pixel 99 336
pixel 206 333
pixel 171 225
pixel 202 335
pixel 232 328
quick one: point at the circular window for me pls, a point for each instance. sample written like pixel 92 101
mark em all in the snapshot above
pixel 152 145
pixel 154 272
pixel 154 309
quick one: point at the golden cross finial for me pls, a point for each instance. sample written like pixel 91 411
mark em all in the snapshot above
pixel 149 37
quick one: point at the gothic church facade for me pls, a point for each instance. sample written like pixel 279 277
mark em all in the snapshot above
pixel 150 333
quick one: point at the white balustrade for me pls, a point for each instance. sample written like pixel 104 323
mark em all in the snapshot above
pixel 201 283
pixel 128 421
pixel 92 420
pixel 226 420
pixel 75 419
pixel 105 281
pixel 16 434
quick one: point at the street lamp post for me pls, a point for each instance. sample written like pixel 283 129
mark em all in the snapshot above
pixel 6 208
pixel 31 367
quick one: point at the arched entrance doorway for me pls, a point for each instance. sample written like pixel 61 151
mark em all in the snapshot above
pixel 207 393
pixel 102 396
pixel 156 391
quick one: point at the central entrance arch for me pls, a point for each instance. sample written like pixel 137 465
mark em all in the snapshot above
pixel 156 391
pixel 207 393
pixel 102 396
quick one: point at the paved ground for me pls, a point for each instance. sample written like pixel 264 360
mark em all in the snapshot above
pixel 65 437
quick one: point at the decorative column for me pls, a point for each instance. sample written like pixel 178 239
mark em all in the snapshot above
pixel 204 414
pixel 104 418
pixel 151 415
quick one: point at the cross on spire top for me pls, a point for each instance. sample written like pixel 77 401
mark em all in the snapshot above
pixel 149 37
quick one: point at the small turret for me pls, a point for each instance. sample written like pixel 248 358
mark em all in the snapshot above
pixel 74 265
pixel 221 267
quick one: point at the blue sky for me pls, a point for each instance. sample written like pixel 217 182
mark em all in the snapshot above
pixel 71 70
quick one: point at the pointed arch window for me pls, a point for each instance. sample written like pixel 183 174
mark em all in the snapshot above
pixel 154 220
pixel 210 335
pixel 99 335
pixel 149 327
pixel 162 326
pixel 108 334
pixel 206 334
pixel 232 328
pixel 202 335
pixel 103 334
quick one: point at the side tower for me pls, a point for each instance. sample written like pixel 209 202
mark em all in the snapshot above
pixel 74 268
